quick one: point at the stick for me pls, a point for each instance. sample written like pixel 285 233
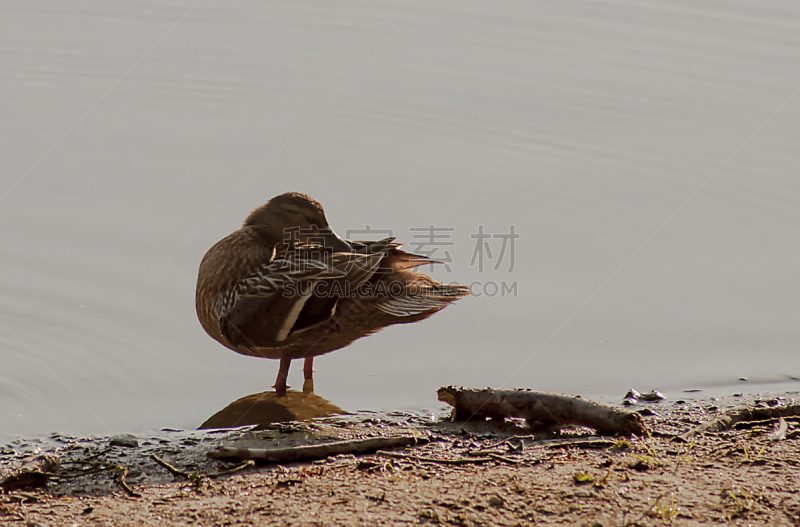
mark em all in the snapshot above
pixel 457 461
pixel 122 472
pixel 504 459
pixel 304 452
pixel 485 452
pixel 175 471
pixel 195 477
pixel 583 444
pixel 541 407
pixel 725 422
pixel 245 464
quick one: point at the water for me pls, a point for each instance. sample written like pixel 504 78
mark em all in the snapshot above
pixel 644 152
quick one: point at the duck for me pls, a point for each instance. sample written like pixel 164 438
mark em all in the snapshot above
pixel 285 286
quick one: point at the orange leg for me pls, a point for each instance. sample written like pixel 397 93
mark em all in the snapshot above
pixel 308 368
pixel 283 374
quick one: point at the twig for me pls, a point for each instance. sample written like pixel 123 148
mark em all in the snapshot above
pixel 598 443
pixel 195 477
pixel 457 461
pixel 121 473
pixel 175 471
pixel 729 420
pixel 485 452
pixel 247 464
pixel 504 459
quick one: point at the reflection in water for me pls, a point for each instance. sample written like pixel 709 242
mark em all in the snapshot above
pixel 269 407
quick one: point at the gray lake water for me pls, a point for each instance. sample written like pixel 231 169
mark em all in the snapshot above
pixel 646 153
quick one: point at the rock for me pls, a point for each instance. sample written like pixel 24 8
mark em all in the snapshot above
pixel 496 501
pixel 632 393
pixel 126 440
pixel 652 396
pixel 266 408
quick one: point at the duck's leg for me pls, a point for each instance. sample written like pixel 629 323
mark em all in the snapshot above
pixel 308 368
pixel 283 374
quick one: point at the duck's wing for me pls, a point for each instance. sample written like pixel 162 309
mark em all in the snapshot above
pixel 260 309
pixel 372 247
pixel 292 294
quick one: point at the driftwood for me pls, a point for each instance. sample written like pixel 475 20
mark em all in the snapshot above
pixel 33 473
pixel 550 409
pixel 731 418
pixel 305 452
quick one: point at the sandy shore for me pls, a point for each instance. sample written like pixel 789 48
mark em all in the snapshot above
pixel 483 476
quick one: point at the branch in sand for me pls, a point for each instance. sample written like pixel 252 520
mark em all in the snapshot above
pixel 305 452
pixel 550 409
pixel 727 421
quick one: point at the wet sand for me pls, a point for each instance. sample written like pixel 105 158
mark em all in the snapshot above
pixel 504 477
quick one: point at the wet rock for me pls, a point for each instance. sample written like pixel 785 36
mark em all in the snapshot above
pixel 126 440
pixel 632 393
pixel 633 397
pixel 652 396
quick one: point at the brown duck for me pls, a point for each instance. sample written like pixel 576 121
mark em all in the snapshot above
pixel 285 286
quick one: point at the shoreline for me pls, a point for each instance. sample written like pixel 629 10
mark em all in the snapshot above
pixel 736 477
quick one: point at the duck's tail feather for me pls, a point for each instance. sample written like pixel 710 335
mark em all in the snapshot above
pixel 427 299
pixel 400 261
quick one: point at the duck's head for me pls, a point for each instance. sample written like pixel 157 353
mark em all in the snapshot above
pixel 295 218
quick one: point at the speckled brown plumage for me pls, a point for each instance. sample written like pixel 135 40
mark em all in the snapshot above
pixel 284 286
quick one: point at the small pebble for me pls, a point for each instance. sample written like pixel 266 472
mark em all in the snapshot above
pixel 496 501
pixel 632 394
pixel 652 396
pixel 126 440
